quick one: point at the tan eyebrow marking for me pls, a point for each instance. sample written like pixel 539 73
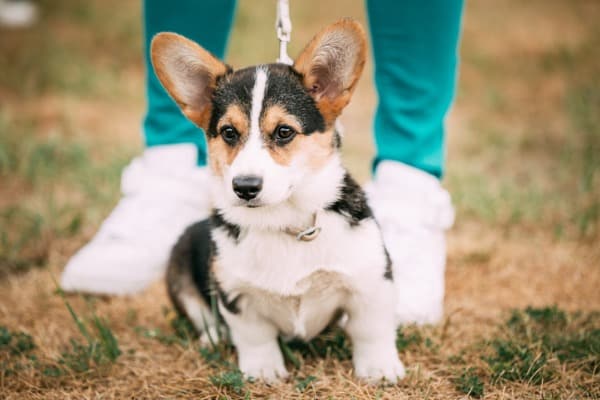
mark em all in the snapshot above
pixel 277 115
pixel 219 152
pixel 236 117
pixel 317 147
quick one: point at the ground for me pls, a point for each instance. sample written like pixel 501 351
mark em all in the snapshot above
pixel 522 304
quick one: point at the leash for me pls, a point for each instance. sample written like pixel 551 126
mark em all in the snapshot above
pixel 283 25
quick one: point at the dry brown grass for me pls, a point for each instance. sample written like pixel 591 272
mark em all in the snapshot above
pixel 526 233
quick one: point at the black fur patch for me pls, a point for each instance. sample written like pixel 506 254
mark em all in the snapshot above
pixel 200 254
pixel 285 88
pixel 337 140
pixel 352 203
pixel 388 274
pixel 233 88
pixel 218 221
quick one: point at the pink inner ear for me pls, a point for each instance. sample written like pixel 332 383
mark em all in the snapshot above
pixel 326 82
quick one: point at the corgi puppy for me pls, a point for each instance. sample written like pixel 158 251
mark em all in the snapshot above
pixel 292 243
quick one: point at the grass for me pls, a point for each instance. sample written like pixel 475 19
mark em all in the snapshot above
pixel 523 168
pixel 99 348
pixel 34 70
pixel 15 351
pixel 232 380
pixel 534 347
pixel 533 157
pixel 303 383
pixel 519 198
pixel 181 332
pixel 15 343
pixel 513 362
pixel 469 383
pixel 332 343
pixel 35 171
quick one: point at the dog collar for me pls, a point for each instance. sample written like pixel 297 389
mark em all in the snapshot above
pixel 308 234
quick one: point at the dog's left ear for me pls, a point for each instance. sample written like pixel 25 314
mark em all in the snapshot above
pixel 331 65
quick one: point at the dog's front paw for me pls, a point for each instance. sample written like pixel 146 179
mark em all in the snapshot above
pixel 269 369
pixel 374 369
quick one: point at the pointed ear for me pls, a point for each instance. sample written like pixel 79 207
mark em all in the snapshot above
pixel 188 73
pixel 331 65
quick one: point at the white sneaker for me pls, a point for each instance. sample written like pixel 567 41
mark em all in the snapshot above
pixel 164 191
pixel 413 211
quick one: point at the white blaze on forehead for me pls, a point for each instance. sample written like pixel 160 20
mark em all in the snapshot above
pixel 253 158
pixel 258 95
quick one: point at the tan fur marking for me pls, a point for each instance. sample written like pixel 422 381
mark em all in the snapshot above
pixel 316 149
pixel 236 117
pixel 199 117
pixel 277 115
pixel 219 152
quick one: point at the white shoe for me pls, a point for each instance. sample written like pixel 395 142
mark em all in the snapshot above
pixel 413 211
pixel 17 13
pixel 164 191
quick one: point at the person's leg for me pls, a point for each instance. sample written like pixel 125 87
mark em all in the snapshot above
pixel 206 22
pixel 415 48
pixel 164 190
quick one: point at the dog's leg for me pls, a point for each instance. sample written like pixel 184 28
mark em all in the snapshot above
pixel 255 340
pixel 201 316
pixel 373 333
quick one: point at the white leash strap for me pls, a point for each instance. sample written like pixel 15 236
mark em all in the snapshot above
pixel 284 30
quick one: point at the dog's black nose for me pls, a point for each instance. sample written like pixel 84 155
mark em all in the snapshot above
pixel 247 186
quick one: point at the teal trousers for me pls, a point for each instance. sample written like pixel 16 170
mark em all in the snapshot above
pixel 415 50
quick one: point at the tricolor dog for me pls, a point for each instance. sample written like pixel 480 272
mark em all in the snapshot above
pixel 291 244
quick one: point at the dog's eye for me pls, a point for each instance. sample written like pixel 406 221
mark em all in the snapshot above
pixel 229 135
pixel 283 134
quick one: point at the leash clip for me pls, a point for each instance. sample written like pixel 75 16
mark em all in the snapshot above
pixel 283 25
pixel 309 234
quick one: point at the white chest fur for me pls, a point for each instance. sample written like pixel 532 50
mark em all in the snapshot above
pixel 298 285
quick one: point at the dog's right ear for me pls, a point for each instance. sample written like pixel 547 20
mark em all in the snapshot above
pixel 331 64
pixel 188 73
